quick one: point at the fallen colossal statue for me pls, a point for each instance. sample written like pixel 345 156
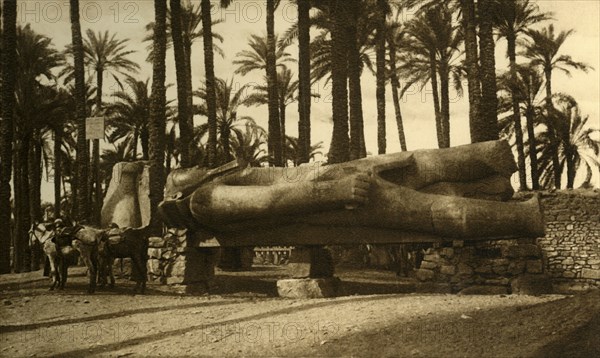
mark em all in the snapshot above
pixel 424 195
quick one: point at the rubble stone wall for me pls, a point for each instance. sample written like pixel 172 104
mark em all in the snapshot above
pixel 569 254
pixel 571 247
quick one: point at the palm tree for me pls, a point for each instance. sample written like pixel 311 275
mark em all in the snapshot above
pixel 340 17
pixel 255 59
pixel 576 146
pixel 528 85
pixel 157 115
pixel 429 51
pixel 395 32
pixel 469 27
pixel 9 65
pixel 512 19
pixel 483 126
pixel 36 59
pixel 81 194
pixel 293 150
pixel 129 116
pixel 248 143
pixel 209 68
pixel 275 142
pixel 184 84
pixel 489 100
pixel 304 79
pixel 258 58
pixel 382 9
pixel 105 53
pixel 357 31
pixel 190 19
pixel 542 49
pixel 286 94
pixel 228 100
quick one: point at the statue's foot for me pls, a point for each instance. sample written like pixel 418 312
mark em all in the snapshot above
pixel 538 228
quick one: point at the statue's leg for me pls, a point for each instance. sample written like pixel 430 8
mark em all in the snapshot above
pixel 447 216
pixel 458 164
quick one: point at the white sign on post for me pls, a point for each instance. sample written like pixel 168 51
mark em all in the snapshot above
pixel 94 128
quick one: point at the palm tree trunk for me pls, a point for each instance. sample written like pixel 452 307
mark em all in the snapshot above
pixel 134 143
pixel 185 130
pixel 98 195
pixel 570 170
pixel 9 20
pixel 57 169
pixel 225 144
pixel 169 152
pixel 395 93
pixel 274 140
pixel 357 134
pixel 282 119
pixel 304 80
pixel 529 114
pixel 477 125
pixel 512 56
pixel 17 260
pixel 552 130
pixel 144 140
pixel 436 101
pixel 23 259
pixel 187 46
pixel 34 175
pixel 156 125
pixel 489 99
pixel 445 103
pixel 211 97
pixel 380 76
pixel 339 148
pixel 80 103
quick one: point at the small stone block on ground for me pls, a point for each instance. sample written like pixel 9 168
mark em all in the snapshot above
pixel 309 287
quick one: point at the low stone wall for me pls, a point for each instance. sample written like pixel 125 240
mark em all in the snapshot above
pixel 173 259
pixel 569 254
pixel 571 246
pixel 485 267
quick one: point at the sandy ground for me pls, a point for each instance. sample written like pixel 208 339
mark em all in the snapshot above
pixel 241 317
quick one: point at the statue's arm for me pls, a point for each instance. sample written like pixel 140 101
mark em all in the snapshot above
pixel 217 204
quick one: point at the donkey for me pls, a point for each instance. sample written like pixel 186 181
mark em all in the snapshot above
pixel 62 248
pixel 56 258
pixel 124 243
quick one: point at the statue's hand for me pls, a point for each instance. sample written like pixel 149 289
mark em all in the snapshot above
pixel 358 194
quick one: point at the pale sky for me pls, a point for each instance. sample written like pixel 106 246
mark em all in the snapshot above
pixel 245 17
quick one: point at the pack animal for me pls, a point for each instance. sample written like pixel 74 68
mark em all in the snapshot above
pixel 63 246
pixel 124 243
pixel 57 250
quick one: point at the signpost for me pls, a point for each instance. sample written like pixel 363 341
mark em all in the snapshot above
pixel 94 128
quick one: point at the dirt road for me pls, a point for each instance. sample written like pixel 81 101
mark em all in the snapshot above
pixel 240 320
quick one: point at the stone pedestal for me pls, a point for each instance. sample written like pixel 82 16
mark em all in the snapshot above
pixel 236 258
pixel 310 288
pixel 311 262
pixel 312 275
